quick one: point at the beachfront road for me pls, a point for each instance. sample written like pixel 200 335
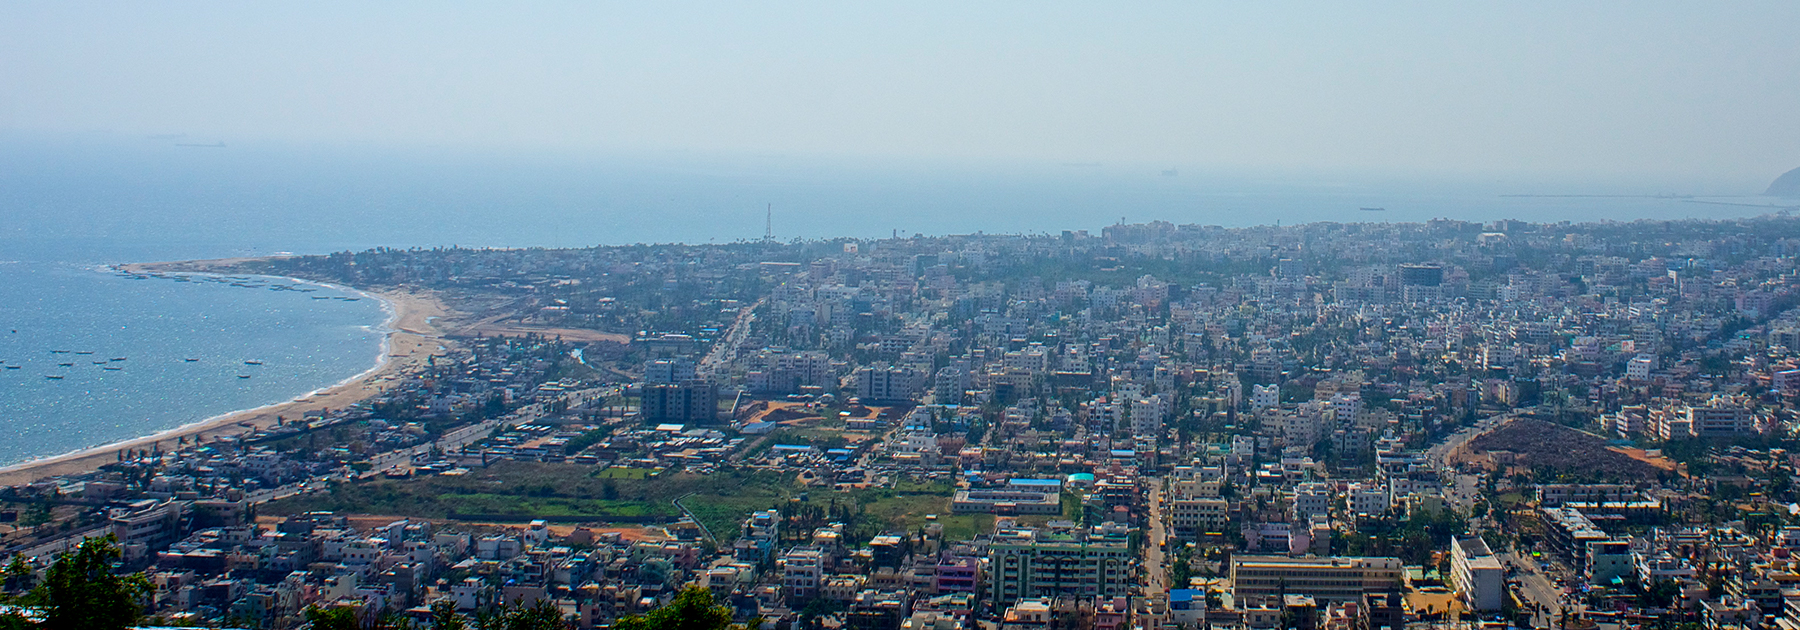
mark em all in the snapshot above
pixel 450 442
pixel 455 440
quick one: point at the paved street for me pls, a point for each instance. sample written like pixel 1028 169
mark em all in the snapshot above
pixel 1156 574
pixel 728 343
pixel 1462 489
pixel 1154 605
pixel 1538 589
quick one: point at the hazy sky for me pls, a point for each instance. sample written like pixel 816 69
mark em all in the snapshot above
pixel 1684 89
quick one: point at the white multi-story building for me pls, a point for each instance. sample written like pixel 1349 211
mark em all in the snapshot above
pixel 1195 507
pixel 1477 574
pixel 1661 566
pixel 1147 416
pixel 888 383
pixel 1261 579
pixel 1785 381
pixel 668 370
pixel 1627 422
pixel 1555 494
pixel 1721 418
pixel 1345 408
pixel 1264 396
pixel 1607 560
pixel 1368 498
pixel 803 571
pixel 1031 563
pixel 1311 499
pixel 1717 418
pixel 811 367
pixel 1495 355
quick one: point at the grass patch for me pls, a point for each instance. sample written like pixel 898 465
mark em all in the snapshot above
pixel 719 501
pixel 907 509
pixel 965 526
pixel 535 489
pixel 724 515
pixel 908 512
pixel 939 488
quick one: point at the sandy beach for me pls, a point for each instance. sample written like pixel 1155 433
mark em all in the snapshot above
pixel 413 339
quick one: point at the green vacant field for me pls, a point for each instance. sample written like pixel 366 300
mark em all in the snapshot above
pixel 520 491
pixel 526 490
pixel 908 512
pixel 624 473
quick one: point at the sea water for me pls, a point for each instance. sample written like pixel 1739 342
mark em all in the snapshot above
pixel 69 206
pixel 127 346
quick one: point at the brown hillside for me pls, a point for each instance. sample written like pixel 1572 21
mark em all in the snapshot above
pixel 1528 444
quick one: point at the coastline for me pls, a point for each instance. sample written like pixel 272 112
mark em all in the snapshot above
pixel 410 338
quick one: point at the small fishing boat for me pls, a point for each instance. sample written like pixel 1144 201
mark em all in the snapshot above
pixel 112 369
pixel 190 360
pixel 253 362
pixel 53 377
pixel 243 376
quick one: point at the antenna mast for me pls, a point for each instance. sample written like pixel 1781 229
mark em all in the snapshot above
pixel 769 223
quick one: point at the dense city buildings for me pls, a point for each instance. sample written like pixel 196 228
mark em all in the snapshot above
pixel 1160 426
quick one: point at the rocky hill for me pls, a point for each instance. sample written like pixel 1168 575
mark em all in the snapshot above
pixel 1788 185
pixel 1528 444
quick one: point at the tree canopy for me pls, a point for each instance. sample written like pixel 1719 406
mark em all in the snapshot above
pixel 693 609
pixel 542 615
pixel 82 590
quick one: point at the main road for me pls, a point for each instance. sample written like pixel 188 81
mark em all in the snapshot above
pixel 1545 598
pixel 1154 604
pixel 727 344
pixel 1156 570
pixel 455 440
pixel 1463 488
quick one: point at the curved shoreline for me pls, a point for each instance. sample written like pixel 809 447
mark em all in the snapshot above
pixel 408 339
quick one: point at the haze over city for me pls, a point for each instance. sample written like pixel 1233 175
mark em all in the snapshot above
pixel 1636 90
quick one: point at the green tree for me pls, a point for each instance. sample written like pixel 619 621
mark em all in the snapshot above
pixel 82 591
pixel 517 616
pixel 352 618
pixel 444 616
pixel 1180 572
pixel 17 576
pixel 693 609
pixel 335 618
